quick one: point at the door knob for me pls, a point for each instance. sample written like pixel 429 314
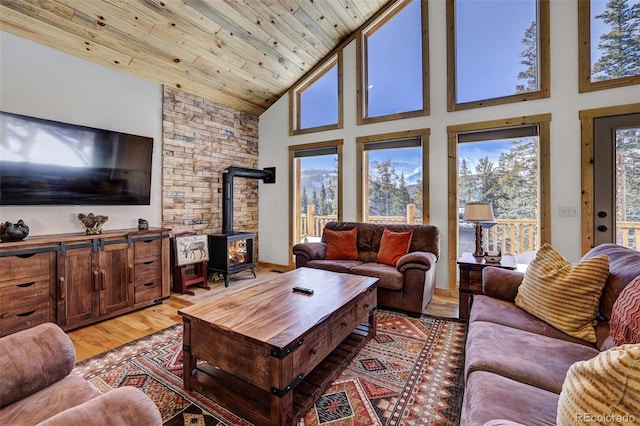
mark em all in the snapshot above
pixel 602 228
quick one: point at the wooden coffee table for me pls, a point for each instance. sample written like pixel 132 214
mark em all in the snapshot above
pixel 270 352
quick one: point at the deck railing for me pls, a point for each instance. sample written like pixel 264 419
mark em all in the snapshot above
pixel 628 234
pixel 509 236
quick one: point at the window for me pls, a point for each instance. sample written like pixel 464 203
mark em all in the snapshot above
pixel 316 182
pixel 391 187
pixel 505 164
pixel 393 81
pixel 497 52
pixel 317 101
pixel 609 49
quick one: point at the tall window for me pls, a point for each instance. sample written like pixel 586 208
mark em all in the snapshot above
pixel 317 101
pixel 316 186
pixel 505 164
pixel 393 63
pixel 497 52
pixel 609 45
pixel 391 188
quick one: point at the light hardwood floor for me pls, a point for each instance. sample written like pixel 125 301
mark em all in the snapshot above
pixel 103 336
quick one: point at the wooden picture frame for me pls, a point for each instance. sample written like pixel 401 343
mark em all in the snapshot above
pixel 191 249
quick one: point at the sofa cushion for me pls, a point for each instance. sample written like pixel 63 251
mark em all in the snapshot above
pixel 389 276
pixel 562 294
pixel 527 357
pixel 625 318
pixel 607 385
pixel 334 265
pixel 393 246
pixel 341 244
pixel 489 396
pixel 66 393
pixel 127 405
pixel 497 311
pixel 49 348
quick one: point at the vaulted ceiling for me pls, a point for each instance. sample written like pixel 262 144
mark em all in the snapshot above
pixel 241 53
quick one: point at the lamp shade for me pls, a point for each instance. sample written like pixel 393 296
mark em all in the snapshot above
pixel 478 212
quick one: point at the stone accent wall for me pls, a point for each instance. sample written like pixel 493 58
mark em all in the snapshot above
pixel 200 140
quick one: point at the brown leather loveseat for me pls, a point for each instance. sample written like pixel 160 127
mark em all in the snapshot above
pixel 37 386
pixel 408 286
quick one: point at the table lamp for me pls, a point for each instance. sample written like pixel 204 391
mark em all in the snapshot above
pixel 478 212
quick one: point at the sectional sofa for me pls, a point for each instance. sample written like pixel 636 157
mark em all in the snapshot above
pixel 517 364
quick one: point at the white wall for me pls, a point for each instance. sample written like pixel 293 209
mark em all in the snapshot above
pixel 41 82
pixel 564 104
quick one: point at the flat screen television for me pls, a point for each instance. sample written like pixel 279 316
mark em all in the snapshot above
pixel 44 162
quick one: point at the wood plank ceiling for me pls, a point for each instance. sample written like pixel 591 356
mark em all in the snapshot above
pixel 241 53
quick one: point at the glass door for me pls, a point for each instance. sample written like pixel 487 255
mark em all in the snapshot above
pixel 616 180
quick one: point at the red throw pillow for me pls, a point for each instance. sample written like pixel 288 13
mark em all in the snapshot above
pixel 341 244
pixel 393 246
pixel 624 325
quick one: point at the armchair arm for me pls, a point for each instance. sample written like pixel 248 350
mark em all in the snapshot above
pixel 416 260
pixel 501 283
pixel 33 359
pixel 305 252
pixel 122 406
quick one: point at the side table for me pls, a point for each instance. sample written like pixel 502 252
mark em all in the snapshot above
pixel 471 278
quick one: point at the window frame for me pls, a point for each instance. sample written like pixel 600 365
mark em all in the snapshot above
pixel 584 56
pixel 294 198
pixel 314 75
pixel 544 62
pixel 423 135
pixel 544 170
pixel 362 60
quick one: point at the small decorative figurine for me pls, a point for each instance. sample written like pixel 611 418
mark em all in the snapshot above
pixel 493 257
pixel 13 231
pixel 92 223
pixel 143 225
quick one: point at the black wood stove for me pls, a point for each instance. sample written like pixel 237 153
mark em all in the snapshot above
pixel 232 252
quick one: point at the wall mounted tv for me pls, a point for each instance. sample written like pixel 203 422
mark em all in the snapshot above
pixel 44 162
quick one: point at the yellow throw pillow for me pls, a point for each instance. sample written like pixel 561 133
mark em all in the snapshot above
pixel 602 390
pixel 562 294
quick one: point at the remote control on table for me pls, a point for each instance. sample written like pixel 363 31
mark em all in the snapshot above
pixel 303 290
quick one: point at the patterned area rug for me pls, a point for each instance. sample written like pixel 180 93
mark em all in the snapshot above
pixel 411 373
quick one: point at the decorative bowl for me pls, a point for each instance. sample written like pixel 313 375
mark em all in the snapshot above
pixel 91 223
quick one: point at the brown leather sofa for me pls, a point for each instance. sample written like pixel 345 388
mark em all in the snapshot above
pixel 37 386
pixel 409 286
pixel 515 363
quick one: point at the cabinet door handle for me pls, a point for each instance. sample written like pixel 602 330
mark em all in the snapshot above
pixel 63 288
pixel 95 281
pixel 148 262
pixel 26 284
pixel 25 314
pixel 130 273
pixel 103 278
pixel 344 323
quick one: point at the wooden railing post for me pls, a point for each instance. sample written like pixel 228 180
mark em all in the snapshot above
pixel 311 220
pixel 411 213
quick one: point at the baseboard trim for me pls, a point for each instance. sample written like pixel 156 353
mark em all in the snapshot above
pixel 274 266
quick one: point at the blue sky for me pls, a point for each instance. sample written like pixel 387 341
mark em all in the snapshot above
pixel 484 28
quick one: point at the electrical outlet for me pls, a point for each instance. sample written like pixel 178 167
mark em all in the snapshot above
pixel 569 211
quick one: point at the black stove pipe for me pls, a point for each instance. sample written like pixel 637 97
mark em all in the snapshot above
pixel 268 175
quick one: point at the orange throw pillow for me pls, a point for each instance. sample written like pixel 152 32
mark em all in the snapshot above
pixel 393 246
pixel 341 245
